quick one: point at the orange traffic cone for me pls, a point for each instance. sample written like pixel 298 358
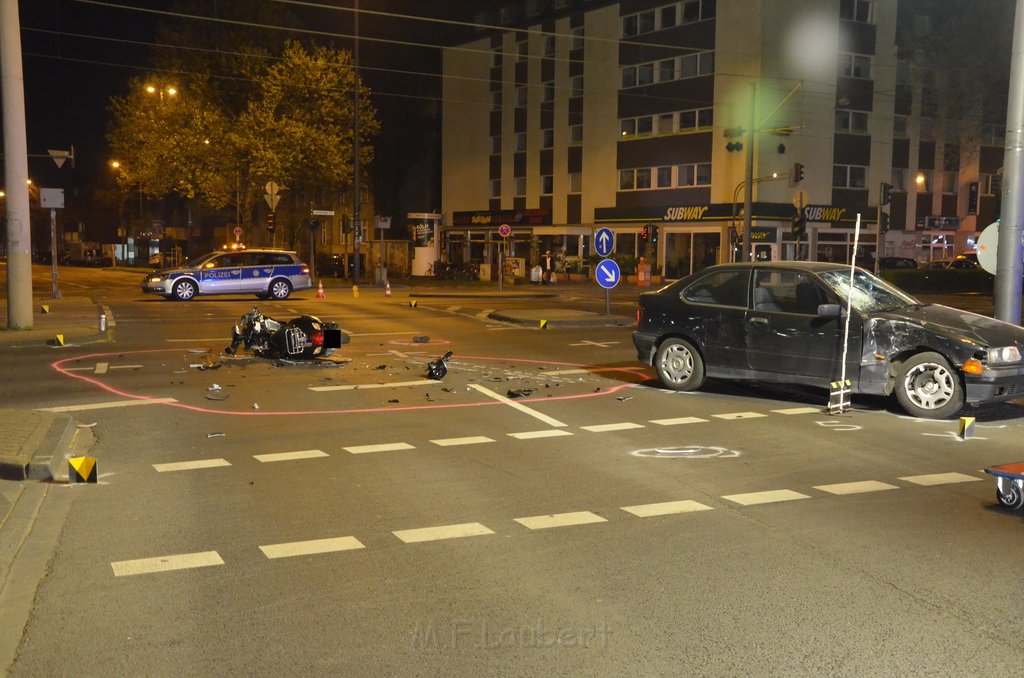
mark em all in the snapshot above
pixel 387 288
pixel 320 291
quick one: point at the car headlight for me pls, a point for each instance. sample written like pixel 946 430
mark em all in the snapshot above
pixel 156 278
pixel 1002 355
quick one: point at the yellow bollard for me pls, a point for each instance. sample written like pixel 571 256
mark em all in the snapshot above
pixel 82 470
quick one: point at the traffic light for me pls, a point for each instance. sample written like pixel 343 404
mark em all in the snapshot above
pixel 734 133
pixel 886 196
pixel 270 222
pixel 883 221
pixel 654 234
pixel 799 225
pixel 645 231
pixel 798 172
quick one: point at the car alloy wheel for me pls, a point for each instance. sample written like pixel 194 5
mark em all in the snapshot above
pixel 184 290
pixel 927 387
pixel 679 365
pixel 280 289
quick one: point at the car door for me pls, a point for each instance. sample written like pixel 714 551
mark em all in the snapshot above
pixel 787 341
pixel 713 313
pixel 255 275
pixel 221 275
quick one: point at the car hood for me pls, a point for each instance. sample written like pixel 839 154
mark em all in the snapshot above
pixel 952 323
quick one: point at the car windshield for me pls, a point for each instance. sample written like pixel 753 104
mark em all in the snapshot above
pixel 869 293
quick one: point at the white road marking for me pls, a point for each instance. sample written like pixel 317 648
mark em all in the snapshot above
pixel 361 387
pixel 600 344
pixel 588 370
pixel 666 508
pixel 739 415
pixel 289 456
pixel 800 410
pixel 484 313
pixel 183 561
pixel 386 447
pixel 857 487
pixel 939 479
pixel 106 405
pixel 530 435
pixel 193 340
pixel 769 497
pixel 551 421
pixel 442 532
pixel 679 420
pixel 605 428
pixel 102 370
pixel 312 547
pixel 469 440
pixel 191 465
pixel 560 520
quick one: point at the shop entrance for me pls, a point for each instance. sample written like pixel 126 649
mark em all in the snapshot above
pixel 689 252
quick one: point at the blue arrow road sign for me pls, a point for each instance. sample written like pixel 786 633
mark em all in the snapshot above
pixel 604 242
pixel 607 274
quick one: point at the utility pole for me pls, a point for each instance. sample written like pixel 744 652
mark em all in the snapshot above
pixel 357 221
pixel 19 231
pixel 748 199
pixel 1008 253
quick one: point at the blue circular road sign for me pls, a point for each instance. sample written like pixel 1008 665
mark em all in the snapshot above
pixel 607 274
pixel 604 242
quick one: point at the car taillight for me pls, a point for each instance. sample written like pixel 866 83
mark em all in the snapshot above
pixel 639 314
pixel 305 269
pixel 317 338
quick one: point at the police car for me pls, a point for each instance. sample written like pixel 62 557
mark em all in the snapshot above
pixel 267 273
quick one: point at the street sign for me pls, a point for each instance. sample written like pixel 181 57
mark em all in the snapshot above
pixel 272 188
pixel 322 213
pixel 800 199
pixel 988 243
pixel 272 200
pixel 504 230
pixel 52 198
pixel 607 274
pixel 604 242
pixel 238 232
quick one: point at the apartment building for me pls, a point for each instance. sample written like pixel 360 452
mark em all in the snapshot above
pixel 655 118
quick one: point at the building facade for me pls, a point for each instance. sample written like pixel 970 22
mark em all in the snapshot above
pixel 655 118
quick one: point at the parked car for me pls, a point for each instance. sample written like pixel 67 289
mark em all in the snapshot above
pixel 786 322
pixel 896 263
pixel 958 264
pixel 267 273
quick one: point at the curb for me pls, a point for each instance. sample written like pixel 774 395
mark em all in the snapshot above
pixel 63 438
pixel 596 321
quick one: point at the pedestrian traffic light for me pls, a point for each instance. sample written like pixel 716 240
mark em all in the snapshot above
pixel 886 195
pixel 798 172
pixel 645 231
pixel 654 234
pixel 799 225
pixel 270 222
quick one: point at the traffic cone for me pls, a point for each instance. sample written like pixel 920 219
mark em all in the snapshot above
pixel 320 291
pixel 387 288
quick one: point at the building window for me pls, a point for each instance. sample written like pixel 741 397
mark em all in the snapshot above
pixel 496 59
pixel 855 66
pixel 628 78
pixel 547 184
pixel 694 65
pixel 899 179
pixel 495 188
pixel 627 128
pixel 645 22
pixel 990 184
pixel 698 174
pixel 496 100
pixel 549 92
pixel 523 50
pixel 899 126
pixel 629 26
pixel 664 175
pixel 575 182
pixel 666 123
pixel 855 10
pixel 666 70
pixel 549 45
pixel 645 126
pixel 853 122
pixel 520 142
pixel 576 86
pixel 496 145
pixel 627 180
pixel 520 183
pixel 689 66
pixel 993 135
pixel 577 38
pixel 547 138
pixel 926 185
pixel 643 178
pixel 668 17
pixel 849 176
pixel 521 95
pixel 949 183
pixel 575 134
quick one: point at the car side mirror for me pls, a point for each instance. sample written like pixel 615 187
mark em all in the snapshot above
pixel 830 311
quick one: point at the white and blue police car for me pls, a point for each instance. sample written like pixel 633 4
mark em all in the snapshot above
pixel 267 273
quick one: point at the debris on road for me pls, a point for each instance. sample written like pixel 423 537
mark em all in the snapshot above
pixel 436 369
pixel 520 393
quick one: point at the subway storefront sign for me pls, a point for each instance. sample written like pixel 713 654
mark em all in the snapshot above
pixel 836 215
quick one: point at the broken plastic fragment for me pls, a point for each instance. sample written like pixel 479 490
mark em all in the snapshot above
pixel 520 393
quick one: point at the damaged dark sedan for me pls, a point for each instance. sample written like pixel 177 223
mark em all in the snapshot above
pixel 786 322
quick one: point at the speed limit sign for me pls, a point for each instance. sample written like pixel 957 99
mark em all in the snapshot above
pixel 504 230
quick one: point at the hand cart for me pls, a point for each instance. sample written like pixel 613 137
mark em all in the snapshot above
pixel 1009 484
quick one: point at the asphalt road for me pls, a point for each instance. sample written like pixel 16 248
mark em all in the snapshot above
pixel 544 509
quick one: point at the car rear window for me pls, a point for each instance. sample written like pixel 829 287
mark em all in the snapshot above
pixel 725 288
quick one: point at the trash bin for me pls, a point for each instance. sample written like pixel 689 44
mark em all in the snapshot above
pixel 536 273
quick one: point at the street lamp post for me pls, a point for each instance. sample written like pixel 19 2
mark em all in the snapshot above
pixel 745 242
